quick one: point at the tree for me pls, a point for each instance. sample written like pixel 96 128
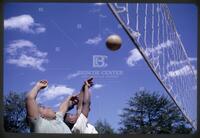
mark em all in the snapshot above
pixel 103 127
pixel 15 113
pixel 150 113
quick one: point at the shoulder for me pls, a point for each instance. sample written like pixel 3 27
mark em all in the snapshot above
pixel 59 115
pixel 36 121
pixel 91 129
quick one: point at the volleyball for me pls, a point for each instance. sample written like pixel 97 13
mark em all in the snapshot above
pixel 113 42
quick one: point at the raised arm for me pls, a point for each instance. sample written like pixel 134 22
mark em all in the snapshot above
pixel 89 83
pixel 86 97
pixel 80 103
pixel 69 102
pixel 31 104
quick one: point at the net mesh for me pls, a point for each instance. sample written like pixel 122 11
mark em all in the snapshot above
pixel 152 29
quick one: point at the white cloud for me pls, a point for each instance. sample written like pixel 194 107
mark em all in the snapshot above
pixel 40 30
pixel 28 61
pixel 184 71
pixel 18 44
pixel 38 53
pixel 159 47
pixel 181 62
pixel 173 62
pixel 24 53
pixel 73 75
pixel 99 4
pixel 97 86
pixel 24 23
pixel 134 57
pixel 55 91
pixel 185 68
pixel 166 44
pixel 94 41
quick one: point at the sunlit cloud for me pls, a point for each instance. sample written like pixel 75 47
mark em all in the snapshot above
pixel 73 75
pixel 24 23
pixel 97 86
pixel 134 57
pixel 184 71
pixel 99 4
pixel 94 41
pixel 24 53
pixel 55 91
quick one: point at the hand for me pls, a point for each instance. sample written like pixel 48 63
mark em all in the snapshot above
pixel 72 100
pixel 89 82
pixel 42 84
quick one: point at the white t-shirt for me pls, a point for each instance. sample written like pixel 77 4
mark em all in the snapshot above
pixel 41 125
pixel 82 126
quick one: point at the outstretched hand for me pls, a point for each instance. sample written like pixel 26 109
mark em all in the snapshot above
pixel 89 82
pixel 72 100
pixel 42 84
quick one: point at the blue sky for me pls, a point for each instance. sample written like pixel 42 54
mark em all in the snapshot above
pixel 57 42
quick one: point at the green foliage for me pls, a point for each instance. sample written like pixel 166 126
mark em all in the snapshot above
pixel 15 113
pixel 103 127
pixel 150 113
